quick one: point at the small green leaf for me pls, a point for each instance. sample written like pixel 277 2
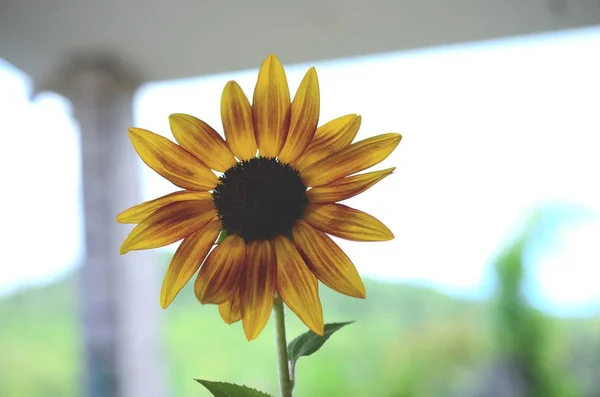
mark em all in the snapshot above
pixel 309 342
pixel 222 389
pixel 224 234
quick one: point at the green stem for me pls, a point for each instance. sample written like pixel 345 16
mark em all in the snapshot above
pixel 285 383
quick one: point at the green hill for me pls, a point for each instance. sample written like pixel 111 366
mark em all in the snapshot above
pixel 407 341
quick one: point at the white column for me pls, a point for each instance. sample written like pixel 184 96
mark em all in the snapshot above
pixel 119 294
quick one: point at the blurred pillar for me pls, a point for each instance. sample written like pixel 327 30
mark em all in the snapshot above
pixel 118 294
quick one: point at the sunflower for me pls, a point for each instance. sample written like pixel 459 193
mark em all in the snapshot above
pixel 262 226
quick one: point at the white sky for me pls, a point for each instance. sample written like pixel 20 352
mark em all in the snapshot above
pixel 490 132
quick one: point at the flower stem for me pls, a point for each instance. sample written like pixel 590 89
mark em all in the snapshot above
pixel 285 383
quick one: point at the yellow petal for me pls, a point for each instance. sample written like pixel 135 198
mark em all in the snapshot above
pixel 257 288
pixel 139 212
pixel 343 189
pixel 345 222
pixel 357 157
pixel 171 161
pixel 202 140
pixel 231 310
pixel 271 107
pixel 236 114
pixel 330 138
pixel 327 260
pixel 219 276
pixel 187 259
pixel 304 118
pixel 297 285
pixel 169 224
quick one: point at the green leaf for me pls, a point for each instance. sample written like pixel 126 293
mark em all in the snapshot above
pixel 222 389
pixel 224 234
pixel 309 342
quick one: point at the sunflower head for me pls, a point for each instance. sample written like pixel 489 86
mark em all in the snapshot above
pixel 272 187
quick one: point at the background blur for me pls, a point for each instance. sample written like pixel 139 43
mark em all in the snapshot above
pixel 489 289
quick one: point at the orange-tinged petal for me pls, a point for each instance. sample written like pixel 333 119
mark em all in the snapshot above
pixel 304 118
pixel 139 212
pixel 345 222
pixel 171 161
pixel 257 287
pixel 219 276
pixel 169 224
pixel 297 285
pixel 202 140
pixel 231 310
pixel 330 138
pixel 343 189
pixel 357 157
pixel 327 260
pixel 271 107
pixel 187 259
pixel 236 114
pixel 336 131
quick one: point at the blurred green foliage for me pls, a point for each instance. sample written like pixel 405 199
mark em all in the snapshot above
pixel 407 341
pixel 524 336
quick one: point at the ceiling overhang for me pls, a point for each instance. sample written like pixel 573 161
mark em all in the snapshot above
pixel 160 40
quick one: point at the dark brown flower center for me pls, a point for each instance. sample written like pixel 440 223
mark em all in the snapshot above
pixel 260 198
